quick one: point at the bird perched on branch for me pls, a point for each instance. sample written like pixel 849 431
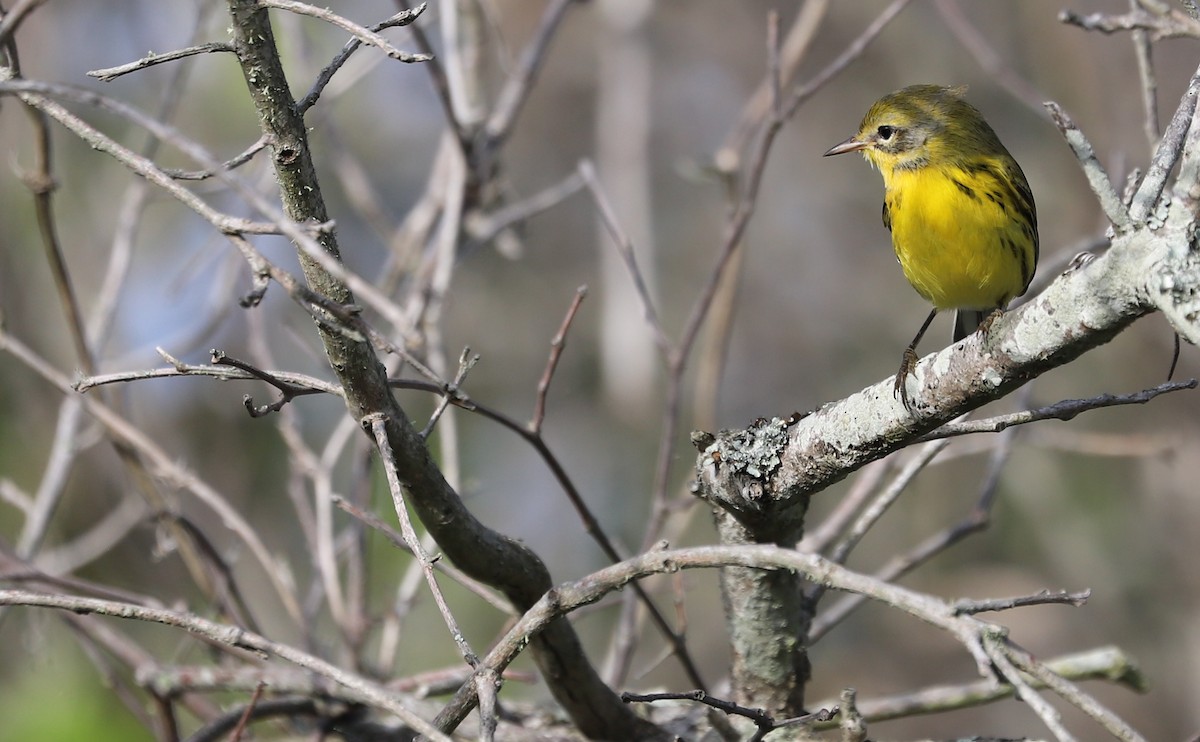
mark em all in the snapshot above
pixel 962 217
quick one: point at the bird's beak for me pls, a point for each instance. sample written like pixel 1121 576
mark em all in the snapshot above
pixel 853 144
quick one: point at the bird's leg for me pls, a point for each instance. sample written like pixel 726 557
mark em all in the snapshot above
pixel 909 361
pixel 1174 358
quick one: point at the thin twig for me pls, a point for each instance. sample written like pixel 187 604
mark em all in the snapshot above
pixel 301 234
pixel 287 391
pixel 1102 187
pixel 852 52
pixel 557 344
pixel 438 73
pixel 15 17
pixel 403 18
pixel 762 720
pixel 590 523
pixel 1167 154
pixel 298 383
pixel 624 247
pixel 997 69
pixel 1145 58
pixel 774 66
pixel 40 182
pixel 487 684
pixel 1072 694
pixel 516 89
pixel 873 512
pixel 377 424
pixel 975 521
pixel 366 35
pixel 108 74
pixel 817 540
pixel 466 362
pixel 487 594
pixel 1049 715
pixel 294 708
pixel 247 713
pixel 794 49
pixel 235 162
pixel 1043 597
pixel 1105 663
pixel 485 228
pixel 1065 410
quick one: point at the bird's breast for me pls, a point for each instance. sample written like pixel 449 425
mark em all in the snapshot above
pixel 958 247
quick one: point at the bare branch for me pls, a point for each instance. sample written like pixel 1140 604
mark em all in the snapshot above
pixel 624 247
pixel 1067 409
pixel 557 343
pixel 975 635
pixel 512 97
pixel 485 228
pixel 298 383
pixel 794 49
pixel 853 51
pixel 13 19
pixel 590 522
pixel 1167 23
pixel 875 510
pixel 762 720
pixel 1167 154
pixel 403 18
pixel 1105 663
pixel 378 427
pixel 1049 715
pixel 1145 59
pixel 233 636
pixel 1101 185
pixel 166 466
pixel 487 594
pixel 235 162
pixel 976 42
pixel 1044 597
pixel 1073 695
pixel 438 73
pixel 108 74
pixel 466 362
pixel 363 34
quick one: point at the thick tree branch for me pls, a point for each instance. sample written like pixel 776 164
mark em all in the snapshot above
pixel 479 551
pixel 980 638
pixel 1082 310
pixel 761 478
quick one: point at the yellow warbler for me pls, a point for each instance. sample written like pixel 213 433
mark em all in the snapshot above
pixel 960 211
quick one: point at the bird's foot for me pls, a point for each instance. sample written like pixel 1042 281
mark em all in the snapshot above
pixel 908 362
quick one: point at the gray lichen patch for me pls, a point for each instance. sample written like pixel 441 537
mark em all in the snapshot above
pixel 754 451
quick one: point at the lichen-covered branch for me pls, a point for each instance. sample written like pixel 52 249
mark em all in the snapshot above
pixel 762 477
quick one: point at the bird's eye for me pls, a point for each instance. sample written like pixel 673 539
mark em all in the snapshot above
pixel 886 132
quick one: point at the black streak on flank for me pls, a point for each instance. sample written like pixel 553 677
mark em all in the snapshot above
pixel 967 190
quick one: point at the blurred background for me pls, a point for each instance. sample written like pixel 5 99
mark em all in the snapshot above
pixel 649 92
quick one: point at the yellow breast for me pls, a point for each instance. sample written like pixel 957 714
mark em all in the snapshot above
pixel 958 247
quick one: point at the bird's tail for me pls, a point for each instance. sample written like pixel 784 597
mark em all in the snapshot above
pixel 967 321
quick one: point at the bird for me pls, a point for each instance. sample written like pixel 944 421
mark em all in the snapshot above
pixel 960 211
